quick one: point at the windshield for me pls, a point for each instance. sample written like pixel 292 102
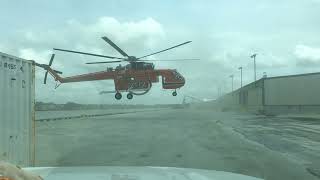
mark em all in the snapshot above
pixel 219 85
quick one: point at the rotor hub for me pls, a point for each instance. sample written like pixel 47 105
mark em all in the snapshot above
pixel 132 58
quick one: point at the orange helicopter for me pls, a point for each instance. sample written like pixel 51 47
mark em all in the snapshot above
pixel 136 77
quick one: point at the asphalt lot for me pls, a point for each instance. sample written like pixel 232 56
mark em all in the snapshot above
pixel 191 138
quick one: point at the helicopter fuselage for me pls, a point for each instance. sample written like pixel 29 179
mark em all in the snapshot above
pixel 130 79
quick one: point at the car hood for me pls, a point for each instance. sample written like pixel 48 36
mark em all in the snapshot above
pixel 133 173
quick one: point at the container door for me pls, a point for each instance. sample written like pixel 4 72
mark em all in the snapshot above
pixel 16 110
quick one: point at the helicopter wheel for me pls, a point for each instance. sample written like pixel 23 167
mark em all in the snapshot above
pixel 129 95
pixel 118 96
pixel 174 93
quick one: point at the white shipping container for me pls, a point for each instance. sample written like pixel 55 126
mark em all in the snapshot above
pixel 17 123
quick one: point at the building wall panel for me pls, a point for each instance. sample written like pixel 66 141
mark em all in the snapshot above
pixel 293 90
pixel 255 96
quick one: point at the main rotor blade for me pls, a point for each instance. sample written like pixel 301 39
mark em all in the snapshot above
pixel 103 62
pixel 90 54
pixel 115 46
pixel 169 60
pixel 165 49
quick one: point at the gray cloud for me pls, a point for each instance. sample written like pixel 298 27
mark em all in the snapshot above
pixel 224 35
pixel 307 56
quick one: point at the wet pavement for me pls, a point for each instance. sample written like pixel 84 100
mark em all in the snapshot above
pixel 265 147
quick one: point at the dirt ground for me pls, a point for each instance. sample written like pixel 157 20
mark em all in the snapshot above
pixel 268 148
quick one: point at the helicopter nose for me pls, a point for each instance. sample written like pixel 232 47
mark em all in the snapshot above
pixel 183 81
pixel 180 78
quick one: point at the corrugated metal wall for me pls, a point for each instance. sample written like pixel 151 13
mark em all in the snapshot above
pixel 249 97
pixel 293 90
pixel 17 128
pixel 278 95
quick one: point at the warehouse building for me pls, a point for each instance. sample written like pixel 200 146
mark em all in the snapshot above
pixel 277 95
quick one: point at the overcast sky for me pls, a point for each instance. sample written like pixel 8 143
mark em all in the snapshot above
pixel 284 33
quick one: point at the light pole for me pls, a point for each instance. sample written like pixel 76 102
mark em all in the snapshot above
pixel 254 65
pixel 231 76
pixel 240 75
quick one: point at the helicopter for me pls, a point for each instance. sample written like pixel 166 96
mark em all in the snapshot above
pixel 135 78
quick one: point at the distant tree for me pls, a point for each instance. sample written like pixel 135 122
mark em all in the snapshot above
pixel 71 106
pixel 38 105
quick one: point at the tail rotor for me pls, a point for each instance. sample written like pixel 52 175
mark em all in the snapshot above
pixel 46 74
pixel 47 67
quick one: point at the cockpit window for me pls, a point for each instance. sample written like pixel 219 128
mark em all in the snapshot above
pixel 177 75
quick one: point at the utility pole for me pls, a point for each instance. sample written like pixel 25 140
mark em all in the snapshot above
pixel 231 76
pixel 240 75
pixel 254 65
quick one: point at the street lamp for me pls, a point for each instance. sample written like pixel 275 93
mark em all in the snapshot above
pixel 240 68
pixel 254 65
pixel 231 76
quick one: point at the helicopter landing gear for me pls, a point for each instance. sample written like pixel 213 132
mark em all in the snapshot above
pixel 129 95
pixel 118 96
pixel 174 93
